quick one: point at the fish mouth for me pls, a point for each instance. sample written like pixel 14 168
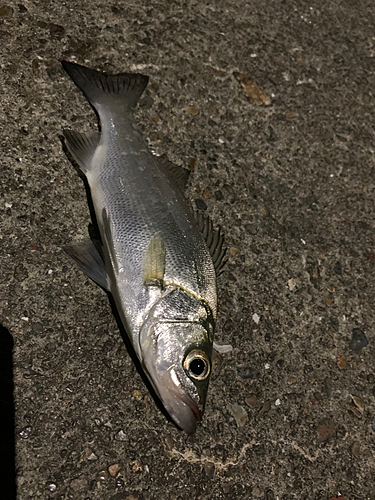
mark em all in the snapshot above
pixel 196 409
pixel 183 410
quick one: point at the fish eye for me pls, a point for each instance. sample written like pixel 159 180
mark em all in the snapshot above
pixel 197 365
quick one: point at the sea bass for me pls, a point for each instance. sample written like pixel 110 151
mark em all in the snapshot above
pixel 157 259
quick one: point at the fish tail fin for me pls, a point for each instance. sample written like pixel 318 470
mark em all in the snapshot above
pixel 123 89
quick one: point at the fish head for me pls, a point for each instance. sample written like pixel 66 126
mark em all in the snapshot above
pixel 178 363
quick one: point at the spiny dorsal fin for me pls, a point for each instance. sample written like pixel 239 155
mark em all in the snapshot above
pixel 178 175
pixel 154 261
pixel 214 240
pixel 82 147
pixel 98 87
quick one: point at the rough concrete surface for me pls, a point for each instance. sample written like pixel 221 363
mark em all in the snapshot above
pixel 291 181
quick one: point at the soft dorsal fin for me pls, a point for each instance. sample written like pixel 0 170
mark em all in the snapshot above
pixel 82 147
pixel 154 261
pixel 214 240
pixel 178 175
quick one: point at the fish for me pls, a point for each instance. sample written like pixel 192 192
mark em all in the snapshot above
pixel 156 256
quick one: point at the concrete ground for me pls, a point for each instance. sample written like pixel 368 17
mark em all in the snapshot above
pixel 272 106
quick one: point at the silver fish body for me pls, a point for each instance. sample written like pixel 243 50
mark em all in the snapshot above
pixel 154 259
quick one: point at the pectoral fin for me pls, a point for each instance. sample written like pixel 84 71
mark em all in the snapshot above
pixel 154 262
pixel 90 262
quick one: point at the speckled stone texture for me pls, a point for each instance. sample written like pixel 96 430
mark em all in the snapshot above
pixel 292 185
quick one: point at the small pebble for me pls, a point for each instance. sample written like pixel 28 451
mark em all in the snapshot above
pixel 280 364
pixel 354 410
pixel 200 204
pixel 206 193
pixel 113 469
pixel 228 189
pixel 79 484
pixel 277 402
pixel 120 436
pixel 358 341
pixel 51 487
pixel 239 413
pixel 102 475
pixel 233 251
pixel 136 466
pixel 92 457
pixel 120 484
pixel 256 318
pixel 356 449
pixel 227 487
pixel 209 469
pixel 292 283
pixel 25 433
pixel 328 386
pixel 137 395
pixel 6 11
pixel 359 403
pixel 37 327
pixel 248 373
pixel 338 269
pixel 329 301
pixel 252 401
pixel 252 91
pixel 191 110
pixel 331 289
pixel 341 362
pixel 324 432
pixel 265 408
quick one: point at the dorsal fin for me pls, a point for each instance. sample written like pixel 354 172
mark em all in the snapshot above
pixel 178 175
pixel 214 240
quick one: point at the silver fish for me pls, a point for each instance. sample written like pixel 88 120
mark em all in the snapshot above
pixel 157 259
